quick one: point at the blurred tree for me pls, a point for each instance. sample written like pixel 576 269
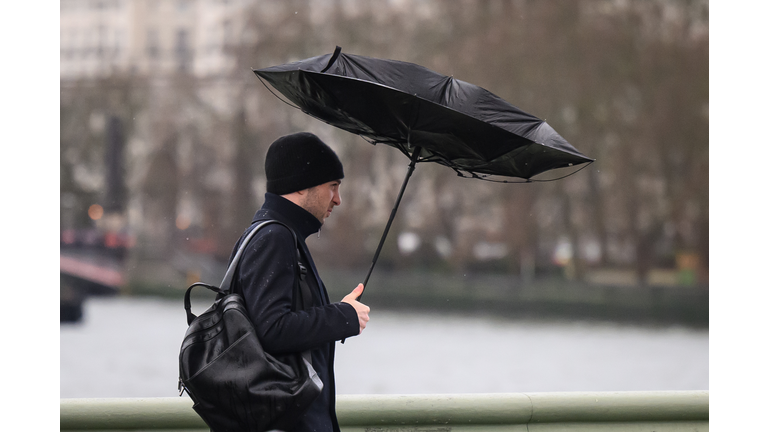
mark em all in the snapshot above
pixel 625 82
pixel 161 190
pixel 96 120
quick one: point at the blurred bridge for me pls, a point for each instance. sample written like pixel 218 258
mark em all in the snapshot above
pixel 92 263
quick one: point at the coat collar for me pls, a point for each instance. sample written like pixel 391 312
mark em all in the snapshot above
pixel 301 221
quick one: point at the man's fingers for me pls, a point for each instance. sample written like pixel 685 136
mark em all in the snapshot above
pixel 362 317
pixel 361 309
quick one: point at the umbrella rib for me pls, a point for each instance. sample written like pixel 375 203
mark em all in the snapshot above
pixel 560 178
pixel 278 97
pixel 485 177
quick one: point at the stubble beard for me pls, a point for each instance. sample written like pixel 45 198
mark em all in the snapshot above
pixel 315 205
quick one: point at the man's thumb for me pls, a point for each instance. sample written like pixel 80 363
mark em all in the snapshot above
pixel 358 289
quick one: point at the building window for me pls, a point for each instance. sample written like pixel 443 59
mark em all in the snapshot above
pixel 69 43
pixel 153 44
pixel 90 43
pixel 101 41
pixel 118 42
pixel 74 43
pixel 183 50
pixel 212 42
pixel 226 33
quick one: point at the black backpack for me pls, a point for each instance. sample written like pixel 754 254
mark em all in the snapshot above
pixel 234 384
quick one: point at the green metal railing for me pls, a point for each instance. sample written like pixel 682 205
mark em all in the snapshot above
pixel 582 411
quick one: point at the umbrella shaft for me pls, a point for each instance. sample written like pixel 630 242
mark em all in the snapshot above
pixel 411 167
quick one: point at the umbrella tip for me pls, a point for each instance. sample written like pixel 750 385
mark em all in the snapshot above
pixel 333 59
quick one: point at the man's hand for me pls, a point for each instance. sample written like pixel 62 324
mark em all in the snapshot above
pixel 362 310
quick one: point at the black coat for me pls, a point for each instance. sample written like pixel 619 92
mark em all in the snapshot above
pixel 266 278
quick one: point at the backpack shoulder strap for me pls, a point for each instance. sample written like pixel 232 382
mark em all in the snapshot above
pixel 226 283
pixel 302 293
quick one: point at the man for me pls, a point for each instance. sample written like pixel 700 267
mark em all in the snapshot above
pixel 303 179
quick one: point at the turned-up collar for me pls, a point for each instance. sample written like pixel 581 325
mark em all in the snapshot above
pixel 300 220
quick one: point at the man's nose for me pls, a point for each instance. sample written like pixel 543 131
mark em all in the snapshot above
pixel 337 199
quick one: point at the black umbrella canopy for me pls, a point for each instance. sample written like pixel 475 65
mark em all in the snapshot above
pixel 427 116
pixel 409 107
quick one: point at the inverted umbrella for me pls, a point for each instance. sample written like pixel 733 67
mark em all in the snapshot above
pixel 429 117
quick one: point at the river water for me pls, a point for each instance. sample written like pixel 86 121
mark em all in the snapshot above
pixel 128 347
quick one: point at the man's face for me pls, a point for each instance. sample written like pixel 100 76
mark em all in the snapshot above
pixel 321 199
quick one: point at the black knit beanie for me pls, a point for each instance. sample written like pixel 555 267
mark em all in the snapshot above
pixel 300 161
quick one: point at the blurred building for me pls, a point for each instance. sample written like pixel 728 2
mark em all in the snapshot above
pixel 103 37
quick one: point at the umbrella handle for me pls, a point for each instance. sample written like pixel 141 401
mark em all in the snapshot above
pixel 411 167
